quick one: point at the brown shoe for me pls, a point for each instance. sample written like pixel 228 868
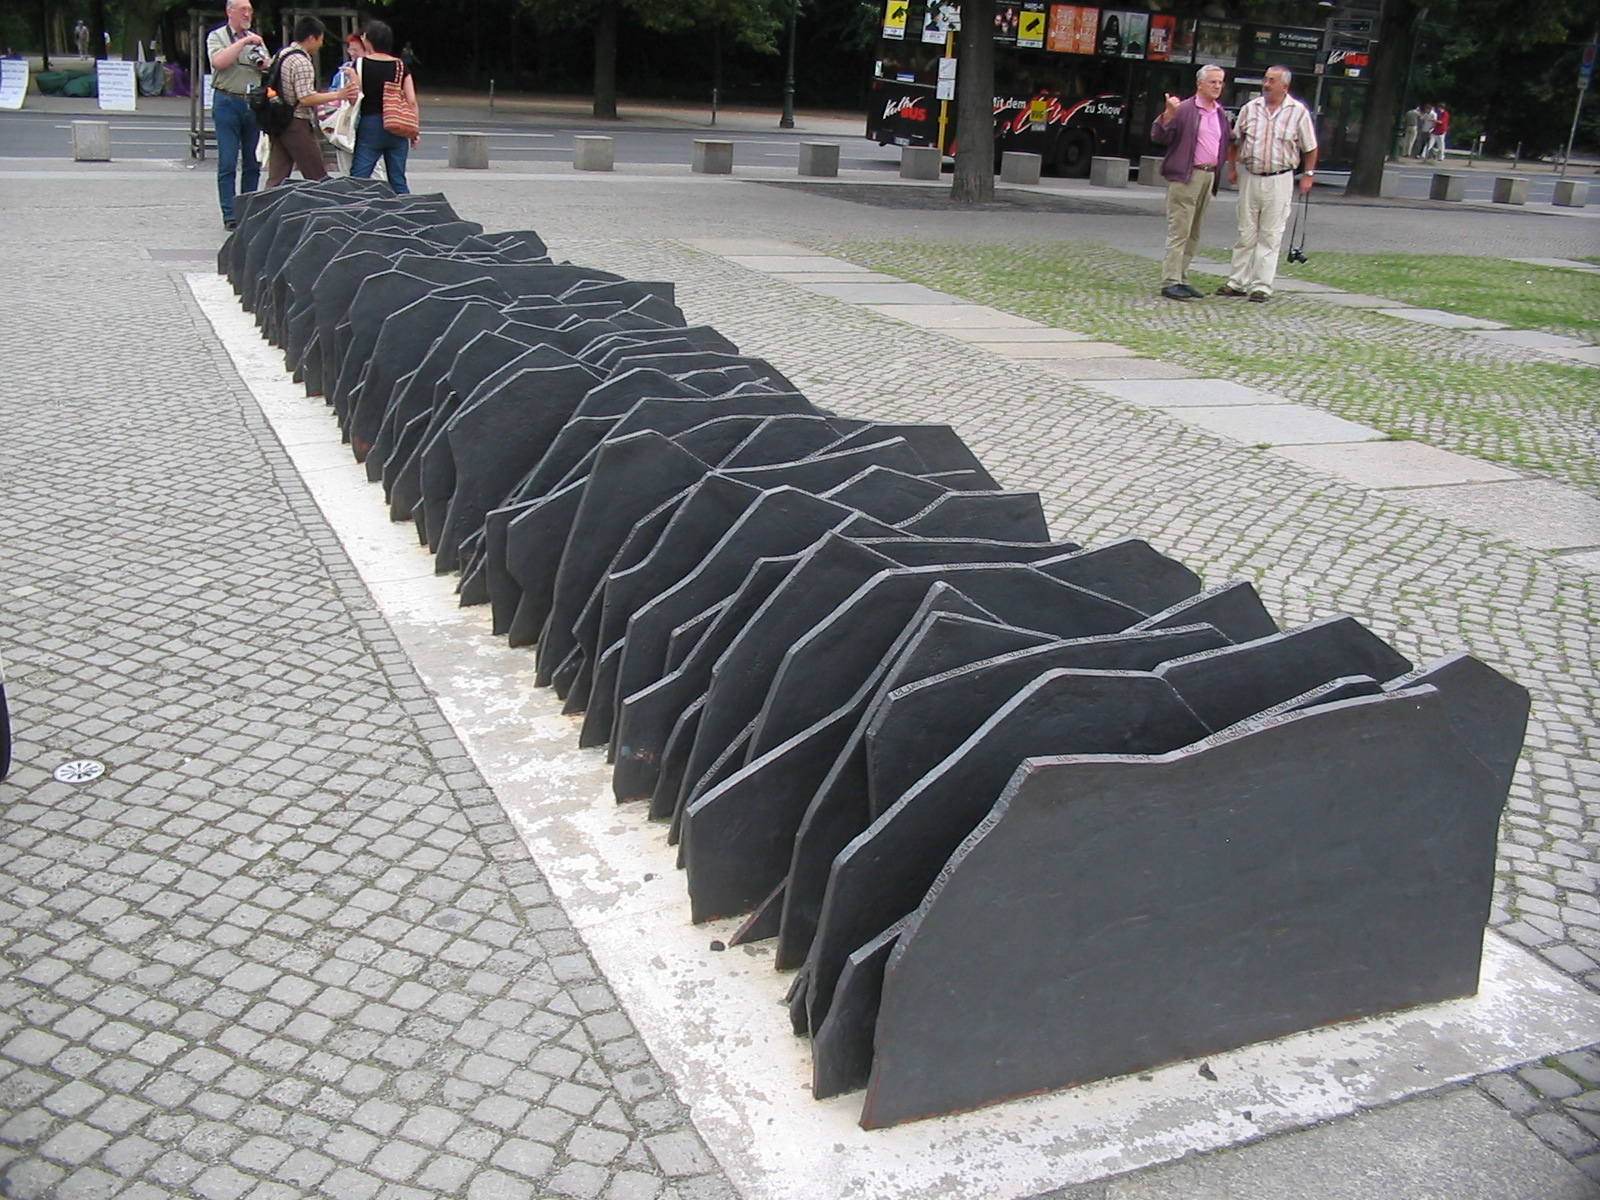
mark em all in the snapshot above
pixel 1259 297
pixel 1226 290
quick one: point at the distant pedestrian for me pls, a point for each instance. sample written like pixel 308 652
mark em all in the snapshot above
pixel 238 57
pixel 80 36
pixel 1441 129
pixel 1409 125
pixel 379 67
pixel 1273 135
pixel 297 146
pixel 1196 133
pixel 1419 145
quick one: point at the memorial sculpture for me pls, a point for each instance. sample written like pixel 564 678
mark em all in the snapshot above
pixel 1019 814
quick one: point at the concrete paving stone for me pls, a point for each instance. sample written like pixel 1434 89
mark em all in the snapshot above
pixel 1113 368
pixel 1277 424
pixel 1351 300
pixel 1058 350
pixel 1304 287
pixel 1437 316
pixel 1569 264
pixel 951 316
pixel 1550 1083
pixel 1563 1133
pixel 1536 339
pixel 1589 355
pixel 1438 1148
pixel 1585 1064
pixel 1395 464
pixel 796 264
pixel 880 295
pixel 1536 513
pixel 746 247
pixel 1018 334
pixel 1197 391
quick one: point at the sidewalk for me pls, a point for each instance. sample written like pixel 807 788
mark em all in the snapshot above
pixel 298 939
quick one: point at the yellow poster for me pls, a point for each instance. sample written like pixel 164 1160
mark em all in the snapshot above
pixel 894 19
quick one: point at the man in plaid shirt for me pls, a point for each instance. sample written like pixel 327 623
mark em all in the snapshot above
pixel 1273 135
pixel 297 145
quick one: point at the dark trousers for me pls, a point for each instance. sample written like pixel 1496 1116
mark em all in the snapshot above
pixel 295 147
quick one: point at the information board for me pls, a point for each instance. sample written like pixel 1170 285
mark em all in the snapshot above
pixel 13 82
pixel 115 82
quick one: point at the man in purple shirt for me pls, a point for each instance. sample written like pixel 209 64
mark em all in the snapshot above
pixel 1195 132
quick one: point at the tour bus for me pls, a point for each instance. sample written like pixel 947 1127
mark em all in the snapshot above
pixel 1073 82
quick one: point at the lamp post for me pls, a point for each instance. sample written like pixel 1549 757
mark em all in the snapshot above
pixel 1322 54
pixel 786 121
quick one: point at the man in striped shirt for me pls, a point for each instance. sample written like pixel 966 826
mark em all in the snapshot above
pixel 1273 135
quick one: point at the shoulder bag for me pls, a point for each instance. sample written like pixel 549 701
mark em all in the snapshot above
pixel 399 113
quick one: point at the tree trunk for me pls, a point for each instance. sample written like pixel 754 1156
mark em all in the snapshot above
pixel 974 174
pixel 98 28
pixel 605 59
pixel 44 35
pixel 1391 53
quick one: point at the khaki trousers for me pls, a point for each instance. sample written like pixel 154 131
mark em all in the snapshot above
pixel 1186 206
pixel 1264 202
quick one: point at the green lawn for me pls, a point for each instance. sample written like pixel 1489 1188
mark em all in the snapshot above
pixel 1444 387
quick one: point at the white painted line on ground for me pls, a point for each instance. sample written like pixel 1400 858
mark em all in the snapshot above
pixel 714 1021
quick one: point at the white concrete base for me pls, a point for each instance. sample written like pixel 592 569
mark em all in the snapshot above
pixel 711 157
pixel 714 1021
pixel 592 153
pixel 1018 166
pixel 819 159
pixel 468 151
pixel 91 141
pixel 920 162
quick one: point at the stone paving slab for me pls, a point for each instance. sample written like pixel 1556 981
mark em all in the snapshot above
pixel 1201 392
pixel 1058 350
pixel 1457 1146
pixel 759 247
pixel 952 316
pixel 1351 299
pixel 1084 369
pixel 1396 464
pixel 1278 424
pixel 1537 339
pixel 836 277
pixel 1441 318
pixel 782 264
pixel 882 294
pixel 1306 287
pixel 1583 354
pixel 1534 512
pixel 1014 335
pixel 1570 264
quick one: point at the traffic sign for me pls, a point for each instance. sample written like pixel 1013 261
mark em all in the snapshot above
pixel 1351 25
pixel 1586 66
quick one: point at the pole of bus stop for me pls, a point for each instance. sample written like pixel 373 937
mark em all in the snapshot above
pixel 1585 74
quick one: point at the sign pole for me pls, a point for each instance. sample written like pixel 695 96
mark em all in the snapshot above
pixel 1585 74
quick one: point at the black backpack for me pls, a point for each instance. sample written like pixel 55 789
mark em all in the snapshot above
pixel 272 112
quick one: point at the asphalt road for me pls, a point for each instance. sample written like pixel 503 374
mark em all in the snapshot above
pixel 133 136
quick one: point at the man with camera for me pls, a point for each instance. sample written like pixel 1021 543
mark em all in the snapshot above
pixel 238 58
pixel 1272 137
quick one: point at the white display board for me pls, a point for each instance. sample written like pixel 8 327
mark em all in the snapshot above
pixel 205 95
pixel 119 92
pixel 13 82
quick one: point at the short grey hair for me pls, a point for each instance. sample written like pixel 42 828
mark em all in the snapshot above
pixel 1288 75
pixel 1200 75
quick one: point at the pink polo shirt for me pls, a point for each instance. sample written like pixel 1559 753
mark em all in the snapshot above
pixel 1208 135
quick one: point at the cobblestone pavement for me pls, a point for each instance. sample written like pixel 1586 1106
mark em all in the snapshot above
pixel 288 944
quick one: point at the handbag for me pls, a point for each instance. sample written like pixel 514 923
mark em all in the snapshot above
pixel 342 130
pixel 399 113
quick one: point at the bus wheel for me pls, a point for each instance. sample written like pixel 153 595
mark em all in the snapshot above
pixel 1073 152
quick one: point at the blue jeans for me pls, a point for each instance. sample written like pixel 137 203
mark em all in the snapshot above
pixel 236 139
pixel 373 140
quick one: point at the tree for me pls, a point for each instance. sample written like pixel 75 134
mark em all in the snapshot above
pixel 752 23
pixel 974 174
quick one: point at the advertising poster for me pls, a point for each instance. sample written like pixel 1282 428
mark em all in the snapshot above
pixel 13 82
pixel 894 19
pixel 1217 42
pixel 1114 31
pixel 1030 25
pixel 945 89
pixel 115 83
pixel 1162 27
pixel 1007 15
pixel 1135 34
pixel 1182 41
pixel 1266 46
pixel 1074 29
pixel 940 19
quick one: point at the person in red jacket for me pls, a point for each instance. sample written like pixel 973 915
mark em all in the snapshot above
pixel 1441 126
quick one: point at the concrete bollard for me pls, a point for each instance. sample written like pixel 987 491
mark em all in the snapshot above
pixel 1150 171
pixel 593 153
pixel 712 158
pixel 1018 166
pixel 819 158
pixel 1108 171
pixel 1448 187
pixel 1570 193
pixel 1508 189
pixel 920 162
pixel 469 151
pixel 91 141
